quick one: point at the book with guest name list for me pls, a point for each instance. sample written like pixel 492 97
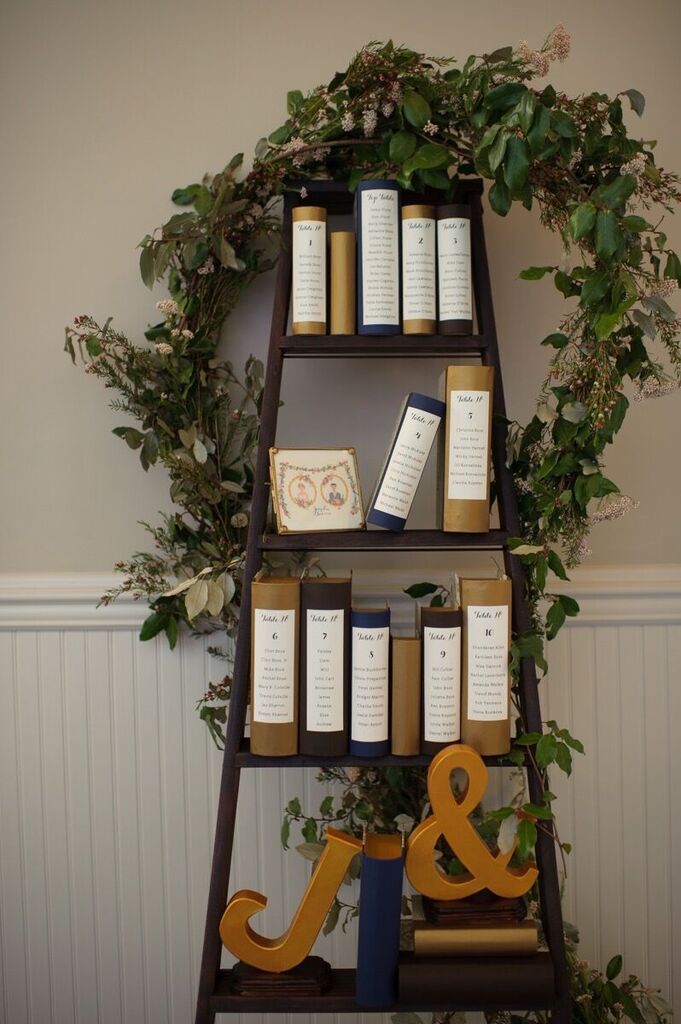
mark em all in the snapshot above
pixel 377 226
pixel 485 691
pixel 417 425
pixel 441 701
pixel 464 479
pixel 325 649
pixel 370 687
pixel 275 610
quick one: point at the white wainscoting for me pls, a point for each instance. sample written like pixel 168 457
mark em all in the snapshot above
pixel 108 784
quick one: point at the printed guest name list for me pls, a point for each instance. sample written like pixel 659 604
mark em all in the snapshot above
pixel 380 262
pixel 487 653
pixel 325 646
pixel 468 445
pixel 406 462
pixel 274 665
pixel 370 684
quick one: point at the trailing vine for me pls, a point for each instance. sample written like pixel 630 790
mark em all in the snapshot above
pixel 426 122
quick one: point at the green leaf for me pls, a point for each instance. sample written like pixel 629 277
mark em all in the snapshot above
pixel 428 156
pixel 149 453
pixel 332 918
pixel 545 753
pixel 195 599
pixel 497 151
pixel 421 589
pixel 607 233
pixel 527 739
pixel 570 606
pixel 606 324
pixel 147 266
pixel 633 223
pixel 516 164
pixel 617 192
pixel 500 198
pixel 527 837
pixel 402 145
pixel 185 196
pixel 563 125
pixel 556 565
pixel 172 632
pixel 582 220
pixel 280 135
pixel 293 807
pixel 565 284
pixel 594 288
pixel 502 97
pixel 294 100
pixel 672 268
pixel 535 274
pixel 555 618
pixel 526 108
pixel 536 136
pixel 310 830
pixel 556 340
pixel 636 99
pixel 564 758
pixel 326 806
pixel 285 831
pixel 416 109
pixel 153 625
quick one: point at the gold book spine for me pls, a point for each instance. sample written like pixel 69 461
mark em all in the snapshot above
pixel 422 212
pixel 276 736
pixel 406 696
pixel 480 940
pixel 343 282
pixel 299 215
pixel 467 453
pixel 485 691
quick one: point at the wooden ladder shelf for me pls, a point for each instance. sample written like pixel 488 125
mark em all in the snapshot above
pixel 478 983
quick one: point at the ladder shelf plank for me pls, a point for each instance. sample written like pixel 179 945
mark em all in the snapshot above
pixel 245 759
pixel 481 983
pixel 384 540
pixel 378 346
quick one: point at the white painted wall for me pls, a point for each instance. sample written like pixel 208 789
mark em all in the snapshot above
pixel 108 789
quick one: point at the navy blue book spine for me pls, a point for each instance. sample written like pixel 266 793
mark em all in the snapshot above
pixel 433 408
pixel 370 690
pixel 379 930
pixel 377 186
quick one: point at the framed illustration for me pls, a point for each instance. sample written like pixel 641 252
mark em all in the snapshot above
pixel 315 489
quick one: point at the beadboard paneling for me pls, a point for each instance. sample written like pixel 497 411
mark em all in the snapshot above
pixel 108 784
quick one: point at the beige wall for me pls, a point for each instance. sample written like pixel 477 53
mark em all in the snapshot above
pixel 109 106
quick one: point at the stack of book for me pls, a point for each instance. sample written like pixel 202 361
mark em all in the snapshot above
pixel 327 678
pixel 409 269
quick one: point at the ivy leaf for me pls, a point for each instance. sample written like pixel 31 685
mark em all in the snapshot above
pixel 555 618
pixel 416 109
pixel 545 753
pixel 556 340
pixel 420 589
pixel 402 145
pixel 636 99
pixel 527 837
pixel 310 830
pixel 535 274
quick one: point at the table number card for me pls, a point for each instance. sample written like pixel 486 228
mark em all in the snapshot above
pixel 308 259
pixel 455 292
pixel 441 713
pixel 324 665
pixel 401 473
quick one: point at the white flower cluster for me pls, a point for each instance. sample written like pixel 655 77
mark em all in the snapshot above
pixel 655 387
pixel 556 47
pixel 430 128
pixel 347 121
pixel 163 348
pixel 168 307
pixel 207 267
pixel 613 506
pixel 369 121
pixel 635 166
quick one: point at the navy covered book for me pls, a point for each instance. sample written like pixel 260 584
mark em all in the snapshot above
pixel 370 688
pixel 377 225
pixel 400 475
pixel 380 905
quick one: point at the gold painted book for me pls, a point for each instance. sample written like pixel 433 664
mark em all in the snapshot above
pixel 275 613
pixel 465 476
pixel 406 695
pixel 486 723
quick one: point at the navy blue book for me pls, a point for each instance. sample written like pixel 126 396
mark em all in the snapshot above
pixel 370 687
pixel 377 226
pixel 400 475
pixel 380 901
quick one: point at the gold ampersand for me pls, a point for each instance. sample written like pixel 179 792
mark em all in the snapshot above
pixel 450 819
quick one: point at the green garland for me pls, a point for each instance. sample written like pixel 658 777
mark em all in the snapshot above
pixel 426 122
